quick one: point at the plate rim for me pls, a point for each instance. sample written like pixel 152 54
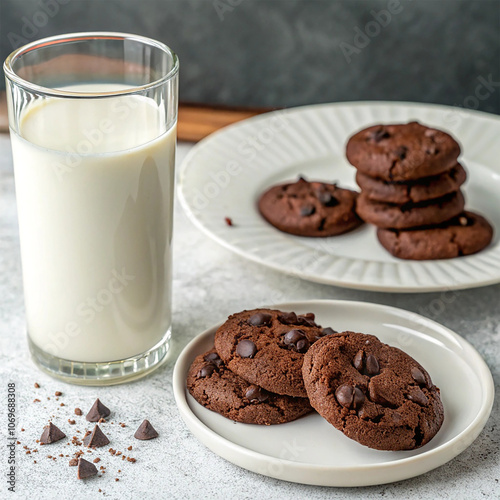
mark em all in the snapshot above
pixel 449 449
pixel 316 278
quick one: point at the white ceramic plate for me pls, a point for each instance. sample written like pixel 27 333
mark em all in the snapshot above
pixel 224 175
pixel 310 450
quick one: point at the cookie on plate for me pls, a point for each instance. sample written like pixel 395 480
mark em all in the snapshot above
pixel 266 347
pixel 374 393
pixel 387 215
pixel 402 152
pixel 424 189
pixel 467 234
pixel 312 209
pixel 214 386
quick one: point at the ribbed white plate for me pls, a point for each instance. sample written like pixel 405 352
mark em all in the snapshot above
pixel 310 450
pixel 224 175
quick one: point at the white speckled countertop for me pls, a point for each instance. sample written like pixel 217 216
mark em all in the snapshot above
pixel 209 283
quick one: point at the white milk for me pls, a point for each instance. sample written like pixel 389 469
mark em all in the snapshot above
pixel 94 185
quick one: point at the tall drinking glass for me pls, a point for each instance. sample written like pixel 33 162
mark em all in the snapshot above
pixel 92 121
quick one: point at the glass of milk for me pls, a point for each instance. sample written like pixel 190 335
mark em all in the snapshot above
pixel 92 121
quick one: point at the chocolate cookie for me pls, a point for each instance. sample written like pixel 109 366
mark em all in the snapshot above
pixel 464 235
pixel 402 152
pixel 429 212
pixel 266 347
pixel 217 388
pixel 310 208
pixel 424 189
pixel 374 393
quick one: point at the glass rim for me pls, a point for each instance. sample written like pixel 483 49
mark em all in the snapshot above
pixel 82 36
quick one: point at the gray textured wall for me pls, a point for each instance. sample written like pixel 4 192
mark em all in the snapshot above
pixel 291 52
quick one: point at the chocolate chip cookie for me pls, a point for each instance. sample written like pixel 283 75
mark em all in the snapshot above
pixel 266 347
pixel 312 209
pixel 374 393
pixel 424 189
pixel 217 388
pixel 387 215
pixel 402 152
pixel 464 235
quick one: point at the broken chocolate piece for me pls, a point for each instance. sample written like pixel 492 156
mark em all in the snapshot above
pixel 85 469
pixel 51 434
pixel 97 412
pixel 145 431
pixel 96 438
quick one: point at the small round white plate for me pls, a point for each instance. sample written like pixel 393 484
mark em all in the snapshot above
pixel 310 450
pixel 224 175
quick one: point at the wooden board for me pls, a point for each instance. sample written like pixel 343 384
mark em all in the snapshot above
pixel 4 122
pixel 195 122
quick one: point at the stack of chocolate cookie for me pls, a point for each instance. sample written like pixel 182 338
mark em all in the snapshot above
pixel 271 367
pixel 410 182
pixel 254 373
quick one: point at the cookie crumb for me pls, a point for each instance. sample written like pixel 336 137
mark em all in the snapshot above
pixel 228 221
pixel 37 385
pixel 58 393
pixel 78 411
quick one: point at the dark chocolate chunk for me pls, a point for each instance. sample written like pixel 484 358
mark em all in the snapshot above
pixel 358 399
pixel 206 370
pixel 97 412
pixel 246 348
pixel 297 340
pixel 380 134
pixel 145 431
pixel 418 376
pixel 327 199
pixel 96 438
pixel 367 365
pixel 214 358
pixel 344 395
pixel 288 318
pixel 85 469
pixel 359 361
pixel 51 434
pixel 416 395
pixel 256 394
pixel 372 367
pixel 350 397
pixel 328 331
pixel 401 152
pixel 260 319
pixel 307 210
pixel 307 320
